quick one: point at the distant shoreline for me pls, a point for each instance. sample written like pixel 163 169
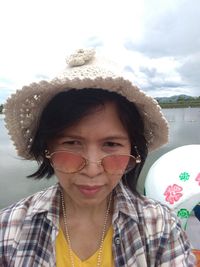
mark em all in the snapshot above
pixel 183 104
pixel 165 106
pixel 176 105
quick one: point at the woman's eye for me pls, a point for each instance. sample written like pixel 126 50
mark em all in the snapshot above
pixel 71 142
pixel 112 144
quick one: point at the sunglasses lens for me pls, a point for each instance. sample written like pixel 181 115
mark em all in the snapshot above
pixel 67 162
pixel 118 164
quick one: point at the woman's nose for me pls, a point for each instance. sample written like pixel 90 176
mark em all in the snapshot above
pixel 93 169
pixel 93 166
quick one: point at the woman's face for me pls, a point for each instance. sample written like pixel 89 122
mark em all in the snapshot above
pixel 97 135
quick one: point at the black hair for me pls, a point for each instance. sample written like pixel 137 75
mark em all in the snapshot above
pixel 69 107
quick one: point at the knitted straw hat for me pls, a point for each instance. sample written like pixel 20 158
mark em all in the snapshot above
pixel 85 70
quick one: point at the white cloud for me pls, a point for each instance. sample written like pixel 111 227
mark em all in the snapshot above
pixel 147 36
pixel 38 34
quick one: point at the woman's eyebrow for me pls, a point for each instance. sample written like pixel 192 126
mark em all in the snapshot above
pixel 110 137
pixel 116 137
pixel 63 135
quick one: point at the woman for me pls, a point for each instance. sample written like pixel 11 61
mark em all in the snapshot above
pixel 92 128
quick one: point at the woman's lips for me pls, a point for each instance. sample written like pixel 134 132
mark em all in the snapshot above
pixel 89 190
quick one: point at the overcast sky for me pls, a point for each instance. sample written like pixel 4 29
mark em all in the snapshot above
pixel 157 41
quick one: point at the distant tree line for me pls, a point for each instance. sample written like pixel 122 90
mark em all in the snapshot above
pixel 180 101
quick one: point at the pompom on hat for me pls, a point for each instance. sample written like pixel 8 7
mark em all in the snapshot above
pixel 85 70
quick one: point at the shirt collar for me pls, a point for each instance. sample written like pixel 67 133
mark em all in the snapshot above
pixel 48 202
pixel 124 201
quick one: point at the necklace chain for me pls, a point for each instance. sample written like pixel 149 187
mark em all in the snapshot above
pixel 99 258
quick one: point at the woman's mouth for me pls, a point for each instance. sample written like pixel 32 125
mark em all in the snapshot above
pixel 89 190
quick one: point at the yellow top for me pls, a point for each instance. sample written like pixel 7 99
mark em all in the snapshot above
pixel 63 258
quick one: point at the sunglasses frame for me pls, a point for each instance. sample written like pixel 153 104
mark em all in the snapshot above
pixel 48 155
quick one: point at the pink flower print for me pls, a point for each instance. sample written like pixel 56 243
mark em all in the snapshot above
pixel 172 193
pixel 198 178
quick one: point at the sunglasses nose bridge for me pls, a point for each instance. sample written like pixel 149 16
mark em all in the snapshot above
pixel 92 168
pixel 98 162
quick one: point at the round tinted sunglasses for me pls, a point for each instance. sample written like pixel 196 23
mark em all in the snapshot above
pixel 69 162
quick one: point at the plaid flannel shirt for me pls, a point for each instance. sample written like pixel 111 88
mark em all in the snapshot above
pixel 146 233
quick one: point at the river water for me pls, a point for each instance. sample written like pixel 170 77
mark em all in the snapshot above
pixel 184 129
